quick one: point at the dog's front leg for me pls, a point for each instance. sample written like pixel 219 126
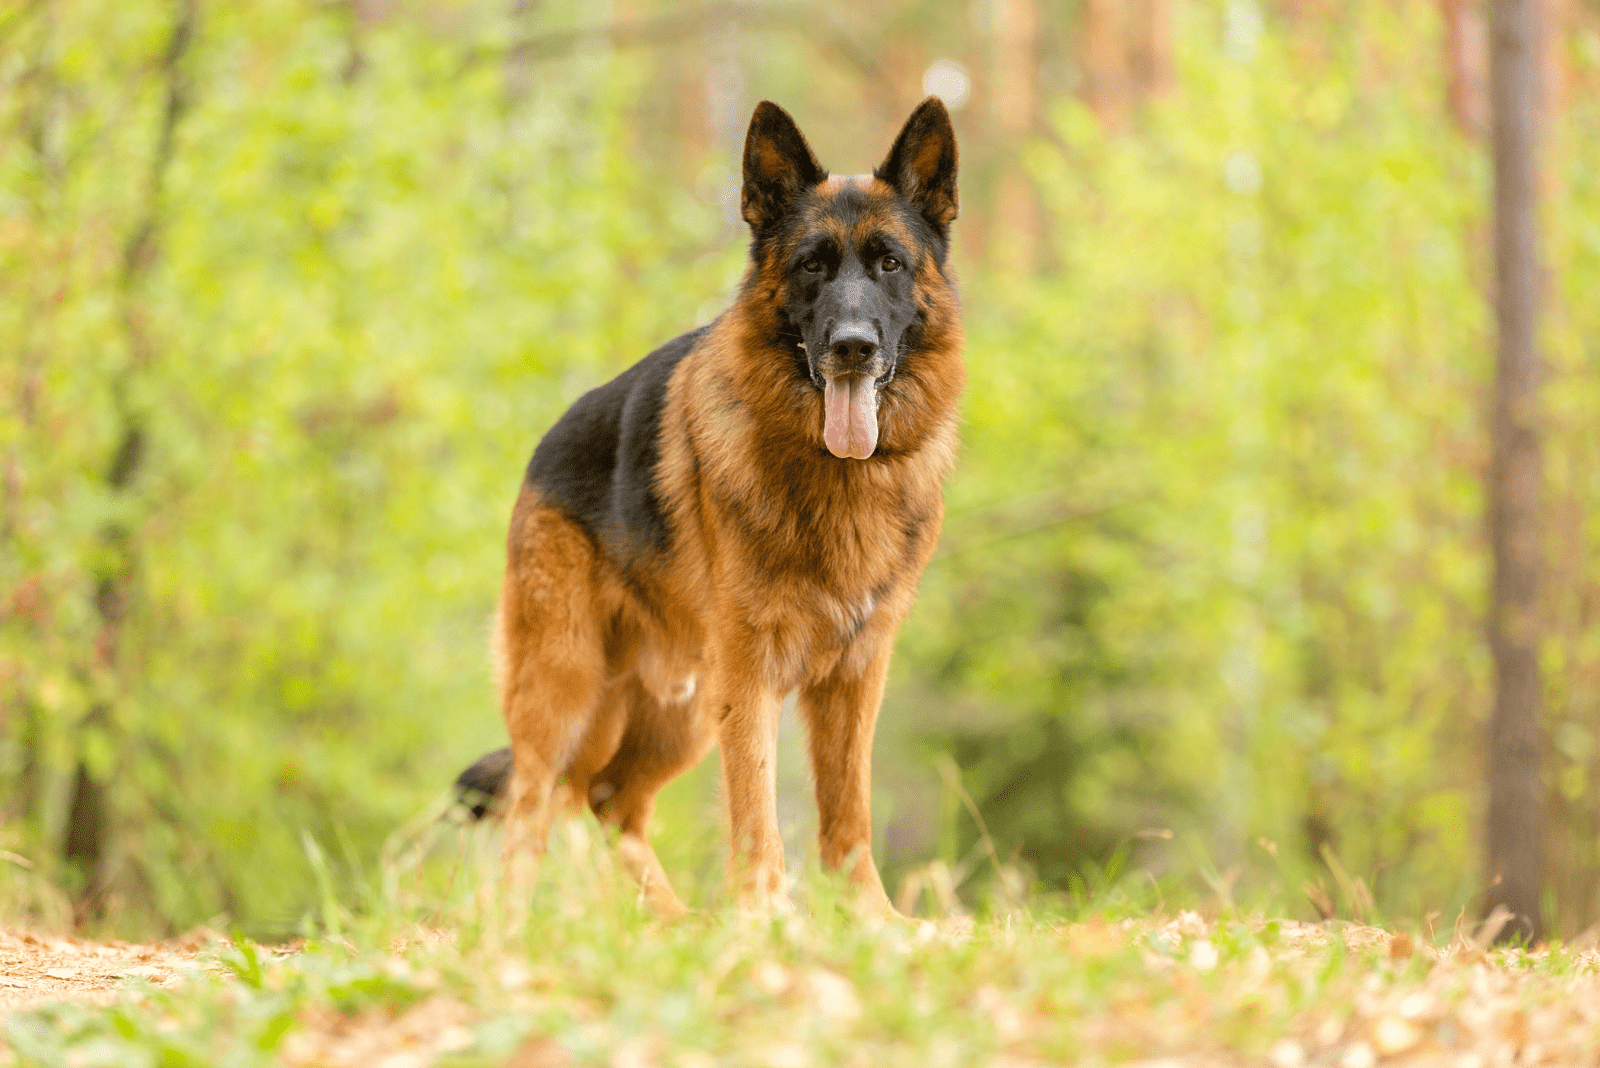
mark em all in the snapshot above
pixel 840 712
pixel 747 709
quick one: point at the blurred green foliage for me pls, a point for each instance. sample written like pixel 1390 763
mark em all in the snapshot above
pixel 1214 564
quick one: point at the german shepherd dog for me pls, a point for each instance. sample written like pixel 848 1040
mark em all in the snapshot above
pixel 744 513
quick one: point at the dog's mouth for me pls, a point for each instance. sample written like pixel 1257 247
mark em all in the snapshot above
pixel 851 371
pixel 850 415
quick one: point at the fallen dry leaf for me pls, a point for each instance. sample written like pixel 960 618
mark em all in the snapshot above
pixel 1358 1055
pixel 833 995
pixel 1392 1035
pixel 1286 1053
pixel 539 1052
pixel 770 977
pixel 1401 947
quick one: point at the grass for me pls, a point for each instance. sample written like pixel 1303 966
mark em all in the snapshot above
pixel 572 971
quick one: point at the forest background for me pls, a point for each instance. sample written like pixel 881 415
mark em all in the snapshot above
pixel 289 289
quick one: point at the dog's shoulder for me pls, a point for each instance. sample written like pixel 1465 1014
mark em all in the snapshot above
pixel 598 462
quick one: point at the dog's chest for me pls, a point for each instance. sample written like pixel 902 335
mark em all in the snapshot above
pixel 835 555
pixel 798 630
pixel 814 596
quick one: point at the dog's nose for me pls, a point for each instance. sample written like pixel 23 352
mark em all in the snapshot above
pixel 854 341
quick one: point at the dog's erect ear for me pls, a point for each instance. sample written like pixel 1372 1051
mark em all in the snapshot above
pixel 922 164
pixel 778 166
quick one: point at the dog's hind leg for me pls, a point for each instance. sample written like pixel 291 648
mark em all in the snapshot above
pixel 601 739
pixel 552 660
pixel 662 740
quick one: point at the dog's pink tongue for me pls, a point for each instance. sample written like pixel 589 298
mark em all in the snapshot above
pixel 850 416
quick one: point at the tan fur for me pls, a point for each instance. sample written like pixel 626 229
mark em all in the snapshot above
pixel 789 569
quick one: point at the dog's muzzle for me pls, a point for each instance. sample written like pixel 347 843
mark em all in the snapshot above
pixel 850 371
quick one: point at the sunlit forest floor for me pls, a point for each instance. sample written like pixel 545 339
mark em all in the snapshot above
pixel 579 975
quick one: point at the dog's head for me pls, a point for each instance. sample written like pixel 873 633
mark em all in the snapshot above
pixel 850 261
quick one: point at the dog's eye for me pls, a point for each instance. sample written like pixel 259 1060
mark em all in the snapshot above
pixel 811 265
pixel 890 263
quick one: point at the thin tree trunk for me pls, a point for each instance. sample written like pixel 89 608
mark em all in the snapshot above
pixel 24 806
pixel 1556 32
pixel 1153 64
pixel 1465 63
pixel 88 833
pixel 1016 111
pixel 519 57
pixel 1105 60
pixel 1515 830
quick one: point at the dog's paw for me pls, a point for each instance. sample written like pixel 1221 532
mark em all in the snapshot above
pixel 764 906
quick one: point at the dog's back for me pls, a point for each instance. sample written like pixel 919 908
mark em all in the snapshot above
pixel 598 463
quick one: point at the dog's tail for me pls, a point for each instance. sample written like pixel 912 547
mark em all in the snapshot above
pixel 482 788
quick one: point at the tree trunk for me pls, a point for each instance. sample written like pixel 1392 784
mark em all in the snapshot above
pixel 1105 60
pixel 88 838
pixel 88 833
pixel 1515 830
pixel 1465 60
pixel 1016 111
pixel 519 57
pixel 1152 62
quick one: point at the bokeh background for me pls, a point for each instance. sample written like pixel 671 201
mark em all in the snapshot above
pixel 289 290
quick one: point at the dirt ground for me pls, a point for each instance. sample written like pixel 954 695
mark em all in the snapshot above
pixel 38 968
